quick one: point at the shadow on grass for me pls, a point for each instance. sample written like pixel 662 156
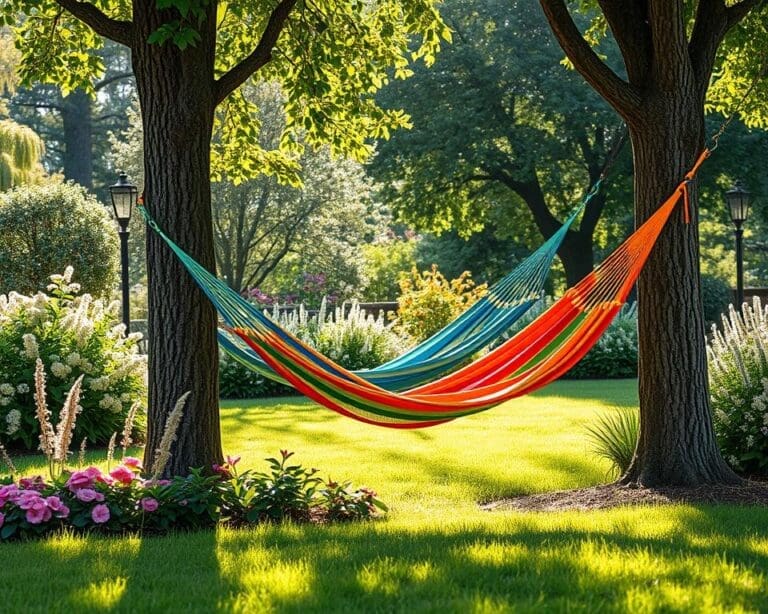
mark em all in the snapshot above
pixel 518 567
pixel 617 390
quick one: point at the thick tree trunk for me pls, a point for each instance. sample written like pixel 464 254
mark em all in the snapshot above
pixel 677 444
pixel 576 254
pixel 77 121
pixel 177 103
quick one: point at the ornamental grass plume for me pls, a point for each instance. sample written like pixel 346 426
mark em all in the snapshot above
pixel 81 456
pixel 163 452
pixel 5 457
pixel 47 436
pixel 66 426
pixel 111 449
pixel 126 441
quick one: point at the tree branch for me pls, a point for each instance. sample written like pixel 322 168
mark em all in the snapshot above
pixel 109 80
pixel 713 20
pixel 620 94
pixel 260 56
pixel 627 20
pixel 113 29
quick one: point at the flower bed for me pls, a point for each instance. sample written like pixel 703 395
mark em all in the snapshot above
pixel 120 500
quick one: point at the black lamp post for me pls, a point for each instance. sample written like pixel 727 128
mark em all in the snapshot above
pixel 124 195
pixel 737 199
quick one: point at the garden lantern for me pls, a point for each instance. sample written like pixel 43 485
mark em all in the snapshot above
pixel 124 195
pixel 737 199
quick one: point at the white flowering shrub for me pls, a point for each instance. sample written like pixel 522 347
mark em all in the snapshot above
pixel 348 336
pixel 73 336
pixel 738 380
pixel 356 340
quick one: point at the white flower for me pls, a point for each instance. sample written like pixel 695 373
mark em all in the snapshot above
pixel 73 359
pixel 5 401
pixel 7 390
pixel 60 370
pixel 31 350
pixel 22 388
pixel 13 419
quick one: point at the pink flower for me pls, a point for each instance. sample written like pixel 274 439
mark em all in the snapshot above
pixel 132 463
pixel 148 504
pixel 54 503
pixel 34 483
pixel 38 512
pixel 122 474
pixel 100 513
pixel 7 493
pixel 81 479
pixel 27 499
pixel 222 471
pixel 233 460
pixel 87 495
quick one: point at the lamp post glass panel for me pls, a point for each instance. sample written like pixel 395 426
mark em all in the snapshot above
pixel 124 195
pixel 737 199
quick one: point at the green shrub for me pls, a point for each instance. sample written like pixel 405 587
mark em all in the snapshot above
pixel 348 336
pixel 429 302
pixel 384 263
pixel 237 381
pixel 716 295
pixel 738 378
pixel 73 336
pixel 615 354
pixel 48 227
pixel 614 437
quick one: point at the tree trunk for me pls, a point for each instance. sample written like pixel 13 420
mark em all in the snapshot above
pixel 77 121
pixel 177 102
pixel 576 254
pixel 677 444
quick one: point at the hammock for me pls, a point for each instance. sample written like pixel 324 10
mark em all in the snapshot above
pixel 540 353
pixel 504 304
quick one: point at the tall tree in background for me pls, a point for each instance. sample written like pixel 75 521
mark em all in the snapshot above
pixel 76 127
pixel 670 50
pixel 189 58
pixel 498 123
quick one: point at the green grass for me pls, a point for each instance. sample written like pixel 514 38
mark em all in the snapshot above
pixel 436 550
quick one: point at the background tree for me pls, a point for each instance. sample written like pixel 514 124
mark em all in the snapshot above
pixel 20 147
pixel 267 232
pixel 76 127
pixel 671 50
pixel 189 58
pixel 499 123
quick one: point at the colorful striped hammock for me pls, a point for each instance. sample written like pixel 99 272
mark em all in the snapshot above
pixel 540 353
pixel 505 303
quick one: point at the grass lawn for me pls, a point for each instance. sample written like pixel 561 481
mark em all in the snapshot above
pixel 436 550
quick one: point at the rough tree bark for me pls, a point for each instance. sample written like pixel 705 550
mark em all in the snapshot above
pixel 177 95
pixel 663 105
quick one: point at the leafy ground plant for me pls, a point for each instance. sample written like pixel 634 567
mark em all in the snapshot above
pixel 614 437
pixel 120 500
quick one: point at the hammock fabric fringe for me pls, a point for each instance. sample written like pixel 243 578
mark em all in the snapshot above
pixel 540 353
